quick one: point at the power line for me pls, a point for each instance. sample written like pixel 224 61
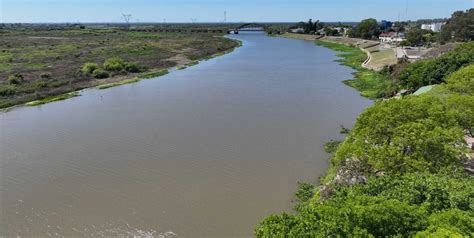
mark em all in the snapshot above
pixel 127 18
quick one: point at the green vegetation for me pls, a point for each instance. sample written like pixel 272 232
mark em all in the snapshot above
pixel 100 74
pixel 435 71
pixel 88 68
pixel 332 146
pixel 371 84
pixel 61 59
pixel 401 170
pixel 459 27
pixel 419 36
pixel 411 77
pixel 462 81
pixel 16 79
pixel 366 29
pixel 134 80
pixel 53 99
pixel 114 64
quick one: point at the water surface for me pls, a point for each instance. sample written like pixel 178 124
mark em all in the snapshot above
pixel 203 152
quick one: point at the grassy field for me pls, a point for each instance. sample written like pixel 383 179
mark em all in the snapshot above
pixel 298 36
pixel 37 64
pixel 368 82
pixel 381 57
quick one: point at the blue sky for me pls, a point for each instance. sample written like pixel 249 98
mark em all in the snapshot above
pixel 213 10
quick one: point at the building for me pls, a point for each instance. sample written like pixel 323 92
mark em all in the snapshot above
pixel 435 27
pixel 297 30
pixel 391 37
pixel 386 25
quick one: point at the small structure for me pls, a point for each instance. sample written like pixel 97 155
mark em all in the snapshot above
pixel 424 90
pixel 391 37
pixel 297 30
pixel 435 27
pixel 386 24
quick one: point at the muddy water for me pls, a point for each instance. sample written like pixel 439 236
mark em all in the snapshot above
pixel 203 152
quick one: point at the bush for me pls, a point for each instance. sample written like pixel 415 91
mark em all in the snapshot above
pixel 332 146
pixel 435 71
pixel 100 74
pixel 15 79
pixel 414 134
pixel 7 90
pixel 133 68
pixel 114 64
pixel 388 206
pixel 41 84
pixel 462 81
pixel 45 76
pixel 89 68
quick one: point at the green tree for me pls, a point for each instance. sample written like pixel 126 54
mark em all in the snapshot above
pixel 462 81
pixel 114 64
pixel 100 74
pixel 88 68
pixel 417 36
pixel 435 71
pixel 367 29
pixel 460 27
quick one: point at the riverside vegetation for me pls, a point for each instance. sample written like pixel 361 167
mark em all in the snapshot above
pixel 403 170
pixel 45 65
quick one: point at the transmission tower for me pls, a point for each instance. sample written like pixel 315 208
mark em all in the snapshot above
pixel 127 18
pixel 193 20
pixel 225 16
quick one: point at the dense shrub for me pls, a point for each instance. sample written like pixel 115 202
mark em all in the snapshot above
pixel 45 76
pixel 435 71
pixel 133 68
pixel 462 81
pixel 414 134
pixel 15 79
pixel 100 74
pixel 7 90
pixel 383 207
pixel 114 64
pixel 41 84
pixel 88 68
pixel 459 27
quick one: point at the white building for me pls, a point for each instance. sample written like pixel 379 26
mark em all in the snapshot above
pixel 297 30
pixel 391 37
pixel 435 27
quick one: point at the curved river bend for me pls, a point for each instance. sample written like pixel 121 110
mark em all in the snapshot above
pixel 203 152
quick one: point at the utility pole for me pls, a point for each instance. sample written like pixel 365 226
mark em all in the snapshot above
pixel 127 18
pixel 406 11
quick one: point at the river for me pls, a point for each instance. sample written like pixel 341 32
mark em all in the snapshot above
pixel 203 152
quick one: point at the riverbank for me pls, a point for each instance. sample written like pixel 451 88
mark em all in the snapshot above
pixel 405 169
pixel 369 83
pixel 40 65
pixel 357 55
pixel 229 125
pixel 378 55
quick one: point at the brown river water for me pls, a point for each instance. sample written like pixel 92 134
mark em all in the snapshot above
pixel 203 152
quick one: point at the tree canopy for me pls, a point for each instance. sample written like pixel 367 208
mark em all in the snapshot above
pixel 366 29
pixel 435 71
pixel 460 27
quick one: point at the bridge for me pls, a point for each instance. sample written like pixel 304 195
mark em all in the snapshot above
pixel 248 27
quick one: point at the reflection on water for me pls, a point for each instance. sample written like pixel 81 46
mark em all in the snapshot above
pixel 206 151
